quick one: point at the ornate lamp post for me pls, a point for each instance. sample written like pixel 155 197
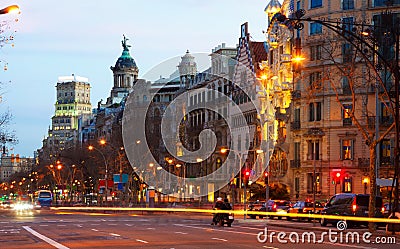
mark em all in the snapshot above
pixel 106 165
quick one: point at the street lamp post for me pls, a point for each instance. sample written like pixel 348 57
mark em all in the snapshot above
pixel 106 165
pixel 12 9
pixel 247 173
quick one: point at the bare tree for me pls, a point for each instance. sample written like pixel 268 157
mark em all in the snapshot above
pixel 351 78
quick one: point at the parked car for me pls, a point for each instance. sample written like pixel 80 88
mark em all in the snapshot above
pixel 304 207
pixel 349 204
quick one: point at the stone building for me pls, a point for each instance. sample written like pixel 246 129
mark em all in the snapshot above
pixel 73 100
pixel 335 102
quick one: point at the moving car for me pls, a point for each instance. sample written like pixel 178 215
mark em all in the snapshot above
pixel 304 207
pixel 349 204
pixel 278 206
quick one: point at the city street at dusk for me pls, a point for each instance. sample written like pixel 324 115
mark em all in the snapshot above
pixel 200 124
pixel 49 229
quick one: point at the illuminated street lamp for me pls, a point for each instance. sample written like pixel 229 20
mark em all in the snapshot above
pixel 247 172
pixel 365 181
pixel 106 165
pixel 12 9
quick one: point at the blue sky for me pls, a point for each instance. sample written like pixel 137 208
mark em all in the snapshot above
pixel 58 38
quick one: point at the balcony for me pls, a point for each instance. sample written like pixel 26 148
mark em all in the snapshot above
pixel 363 162
pixel 347 122
pixel 295 164
pixel 386 120
pixel 386 161
pixel 295 126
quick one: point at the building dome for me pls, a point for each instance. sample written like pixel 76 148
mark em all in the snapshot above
pixel 187 66
pixel 125 60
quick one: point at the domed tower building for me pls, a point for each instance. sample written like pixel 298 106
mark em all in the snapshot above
pixel 125 74
pixel 187 69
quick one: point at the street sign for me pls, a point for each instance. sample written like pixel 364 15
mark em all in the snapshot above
pixel 120 186
pixel 123 178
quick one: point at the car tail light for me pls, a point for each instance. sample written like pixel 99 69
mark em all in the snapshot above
pixel 383 209
pixel 274 206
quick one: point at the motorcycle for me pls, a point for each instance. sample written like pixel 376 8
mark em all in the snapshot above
pixel 221 219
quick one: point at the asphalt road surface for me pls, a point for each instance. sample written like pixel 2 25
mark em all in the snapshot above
pixel 55 229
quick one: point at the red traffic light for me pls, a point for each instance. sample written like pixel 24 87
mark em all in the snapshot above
pixel 266 174
pixel 338 174
pixel 247 173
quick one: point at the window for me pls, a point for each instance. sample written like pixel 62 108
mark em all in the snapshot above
pixel 315 3
pixel 315 28
pixel 383 2
pixel 386 117
pixel 239 145
pixel 347 4
pixel 297 115
pixel 346 114
pixel 347 52
pixel 297 184
pixel 315 52
pixel 346 85
pixel 385 148
pixel 315 111
pixel 315 80
pixel 297 151
pixel 347 186
pixel 313 150
pixel 347 151
pixel 348 23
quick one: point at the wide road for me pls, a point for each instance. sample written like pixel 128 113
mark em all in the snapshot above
pixel 56 229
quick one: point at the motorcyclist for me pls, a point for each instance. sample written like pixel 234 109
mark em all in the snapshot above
pixel 219 205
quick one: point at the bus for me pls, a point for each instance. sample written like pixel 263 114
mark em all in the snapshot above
pixel 42 198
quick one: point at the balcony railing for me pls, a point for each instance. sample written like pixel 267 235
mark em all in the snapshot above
pixel 347 122
pixel 386 120
pixel 386 161
pixel 295 126
pixel 295 164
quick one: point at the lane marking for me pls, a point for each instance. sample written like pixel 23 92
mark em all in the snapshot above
pixel 129 225
pixel 143 241
pixel 270 247
pixel 151 228
pixel 219 239
pixel 181 232
pixel 112 224
pixel 115 234
pixel 95 230
pixel 61 225
pixel 218 230
pixel 46 239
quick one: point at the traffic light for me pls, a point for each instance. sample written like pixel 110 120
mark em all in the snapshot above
pixel 266 178
pixel 246 177
pixel 337 178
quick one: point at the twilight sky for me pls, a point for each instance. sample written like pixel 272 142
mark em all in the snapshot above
pixel 58 38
